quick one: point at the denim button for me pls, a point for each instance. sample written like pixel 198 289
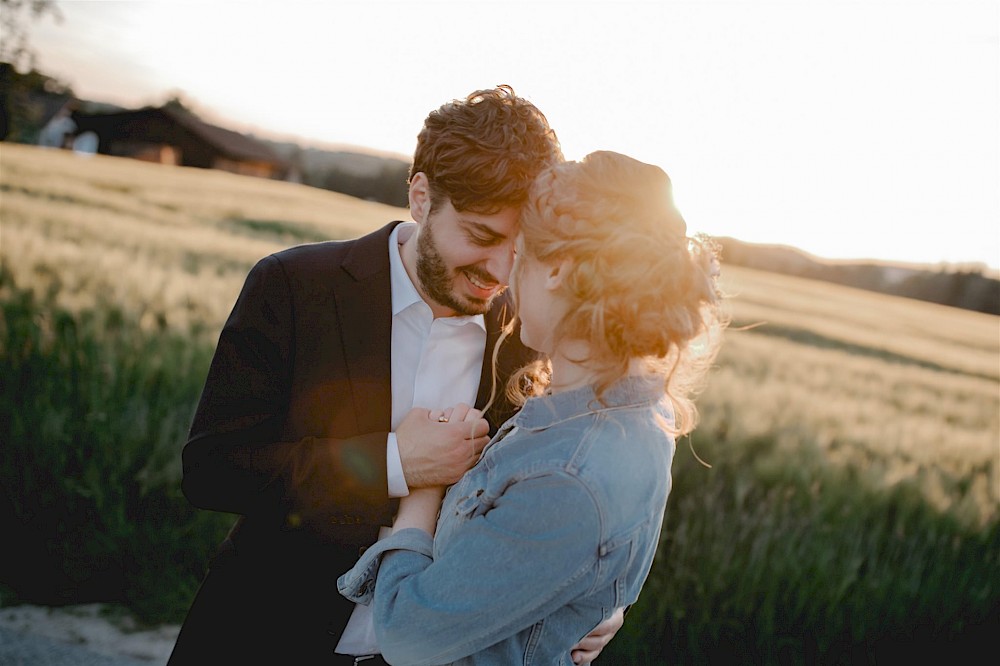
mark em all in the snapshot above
pixel 467 503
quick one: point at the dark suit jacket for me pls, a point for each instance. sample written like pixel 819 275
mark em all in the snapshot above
pixel 290 434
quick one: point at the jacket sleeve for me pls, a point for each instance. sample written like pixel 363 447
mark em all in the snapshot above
pixel 234 460
pixel 528 555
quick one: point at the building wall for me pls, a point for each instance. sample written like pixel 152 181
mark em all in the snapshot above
pixel 154 136
pixel 245 168
pixel 160 153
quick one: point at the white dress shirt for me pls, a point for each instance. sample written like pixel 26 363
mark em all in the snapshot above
pixel 436 363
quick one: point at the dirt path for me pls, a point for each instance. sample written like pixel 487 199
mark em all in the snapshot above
pixel 94 633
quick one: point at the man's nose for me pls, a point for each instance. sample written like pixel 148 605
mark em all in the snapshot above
pixel 501 261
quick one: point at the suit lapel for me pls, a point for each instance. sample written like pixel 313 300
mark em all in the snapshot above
pixel 364 312
pixel 512 356
pixel 494 327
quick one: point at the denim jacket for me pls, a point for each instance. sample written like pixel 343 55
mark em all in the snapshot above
pixel 552 530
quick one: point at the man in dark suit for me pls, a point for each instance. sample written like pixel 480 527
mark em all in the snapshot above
pixel 326 397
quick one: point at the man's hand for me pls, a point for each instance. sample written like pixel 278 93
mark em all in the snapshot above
pixel 437 448
pixel 587 649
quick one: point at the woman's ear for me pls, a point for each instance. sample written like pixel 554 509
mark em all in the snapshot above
pixel 420 197
pixel 556 273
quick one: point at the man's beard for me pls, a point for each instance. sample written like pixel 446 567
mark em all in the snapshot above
pixel 437 281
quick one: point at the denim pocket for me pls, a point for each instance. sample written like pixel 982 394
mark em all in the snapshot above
pixel 473 504
pixel 614 566
pixel 531 645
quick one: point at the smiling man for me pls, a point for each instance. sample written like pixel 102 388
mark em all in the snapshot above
pixel 460 261
pixel 316 413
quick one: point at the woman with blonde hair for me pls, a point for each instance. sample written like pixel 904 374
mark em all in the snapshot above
pixel 557 525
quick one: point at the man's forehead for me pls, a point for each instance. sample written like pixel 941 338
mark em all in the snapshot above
pixel 499 225
pixel 495 229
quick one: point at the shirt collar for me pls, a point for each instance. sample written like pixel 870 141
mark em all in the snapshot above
pixel 404 293
pixel 543 411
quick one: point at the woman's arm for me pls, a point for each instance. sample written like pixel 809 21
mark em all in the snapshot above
pixel 419 510
pixel 529 554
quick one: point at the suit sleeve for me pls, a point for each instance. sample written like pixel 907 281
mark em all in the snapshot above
pixel 234 459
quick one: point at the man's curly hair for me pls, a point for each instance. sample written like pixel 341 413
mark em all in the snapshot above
pixel 483 153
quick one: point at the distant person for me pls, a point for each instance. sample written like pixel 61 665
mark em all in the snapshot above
pixel 314 416
pixel 558 523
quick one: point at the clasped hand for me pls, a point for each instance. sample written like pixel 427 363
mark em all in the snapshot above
pixel 436 447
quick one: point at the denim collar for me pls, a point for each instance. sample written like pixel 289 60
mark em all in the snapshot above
pixel 544 411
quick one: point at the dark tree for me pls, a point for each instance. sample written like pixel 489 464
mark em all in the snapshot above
pixel 27 101
pixel 15 15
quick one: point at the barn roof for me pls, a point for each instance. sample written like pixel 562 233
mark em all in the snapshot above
pixel 232 144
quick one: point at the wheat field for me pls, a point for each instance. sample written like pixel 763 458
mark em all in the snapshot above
pixel 171 243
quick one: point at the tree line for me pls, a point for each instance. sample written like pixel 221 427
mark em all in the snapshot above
pixel 968 286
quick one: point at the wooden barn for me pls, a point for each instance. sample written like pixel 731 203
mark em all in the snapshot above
pixel 172 136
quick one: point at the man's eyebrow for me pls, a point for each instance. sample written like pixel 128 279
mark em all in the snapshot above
pixel 484 229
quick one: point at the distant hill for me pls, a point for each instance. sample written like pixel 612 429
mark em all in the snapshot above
pixel 968 287
pixel 366 175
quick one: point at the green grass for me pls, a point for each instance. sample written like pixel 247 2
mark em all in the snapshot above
pixel 769 557
pixel 93 416
pixel 285 232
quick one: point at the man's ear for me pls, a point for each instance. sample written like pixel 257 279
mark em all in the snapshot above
pixel 557 272
pixel 420 197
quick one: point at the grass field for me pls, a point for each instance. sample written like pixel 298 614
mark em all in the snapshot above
pixel 851 510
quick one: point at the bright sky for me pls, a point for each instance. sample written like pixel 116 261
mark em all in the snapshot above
pixel 848 129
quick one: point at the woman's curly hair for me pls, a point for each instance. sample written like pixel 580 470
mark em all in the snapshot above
pixel 483 153
pixel 638 287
